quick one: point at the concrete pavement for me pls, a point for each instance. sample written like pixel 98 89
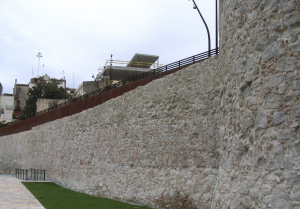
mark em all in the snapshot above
pixel 14 195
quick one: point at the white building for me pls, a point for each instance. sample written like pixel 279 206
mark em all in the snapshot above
pixel 47 79
pixel 6 106
pixel 87 87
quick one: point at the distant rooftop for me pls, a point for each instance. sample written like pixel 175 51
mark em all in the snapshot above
pixel 120 70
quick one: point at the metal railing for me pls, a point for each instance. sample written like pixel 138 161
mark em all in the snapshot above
pixel 181 63
pixel 31 174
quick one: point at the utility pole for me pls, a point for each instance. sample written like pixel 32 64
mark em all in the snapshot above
pixel 39 55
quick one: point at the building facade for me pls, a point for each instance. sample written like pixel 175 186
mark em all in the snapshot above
pixel 87 87
pixel 20 95
pixel 6 107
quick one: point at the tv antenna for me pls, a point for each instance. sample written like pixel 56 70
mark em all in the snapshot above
pixel 39 55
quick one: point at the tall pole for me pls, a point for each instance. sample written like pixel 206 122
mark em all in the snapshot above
pixel 196 7
pixel 217 37
pixel 39 55
pixel 110 68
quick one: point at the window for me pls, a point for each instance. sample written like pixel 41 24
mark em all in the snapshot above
pixel 9 104
pixel 8 116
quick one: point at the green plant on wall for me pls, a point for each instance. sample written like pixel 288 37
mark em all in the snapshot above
pixel 3 124
pixel 45 91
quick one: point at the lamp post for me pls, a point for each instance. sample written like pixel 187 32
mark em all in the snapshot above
pixel 196 7
pixel 39 55
pixel 217 37
pixel 110 68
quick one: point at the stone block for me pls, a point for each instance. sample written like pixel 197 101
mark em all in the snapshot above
pixel 295 85
pixel 286 64
pixel 288 97
pixel 282 88
pixel 272 51
pixel 246 124
pixel 291 19
pixel 244 189
pixel 254 193
pixel 295 47
pixel 272 101
pixel 247 202
pixel 295 197
pixel 279 200
pixel 279 117
pixel 296 109
pixel 275 80
pixel 206 196
pixel 270 6
pixel 261 121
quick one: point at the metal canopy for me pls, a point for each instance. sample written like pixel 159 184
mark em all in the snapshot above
pixel 121 73
pixel 145 58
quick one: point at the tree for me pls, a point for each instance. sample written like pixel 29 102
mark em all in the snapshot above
pixel 43 90
pixel 3 124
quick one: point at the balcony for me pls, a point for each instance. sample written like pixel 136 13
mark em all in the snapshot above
pixel 17 108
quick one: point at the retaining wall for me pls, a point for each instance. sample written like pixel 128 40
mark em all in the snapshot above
pixel 223 133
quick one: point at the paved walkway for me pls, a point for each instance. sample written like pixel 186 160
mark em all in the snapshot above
pixel 13 194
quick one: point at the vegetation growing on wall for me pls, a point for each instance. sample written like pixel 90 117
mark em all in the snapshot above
pixel 43 90
pixel 3 124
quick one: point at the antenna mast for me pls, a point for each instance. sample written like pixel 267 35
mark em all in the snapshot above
pixel 73 80
pixel 39 55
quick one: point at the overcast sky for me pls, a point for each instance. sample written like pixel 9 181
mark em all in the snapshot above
pixel 77 36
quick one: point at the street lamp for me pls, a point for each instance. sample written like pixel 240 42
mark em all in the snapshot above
pixel 110 69
pixel 196 7
pixel 39 55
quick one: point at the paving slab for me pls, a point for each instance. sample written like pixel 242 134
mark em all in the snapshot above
pixel 13 194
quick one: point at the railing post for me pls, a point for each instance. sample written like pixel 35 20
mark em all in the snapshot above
pixel 44 175
pixel 166 67
pixel 179 63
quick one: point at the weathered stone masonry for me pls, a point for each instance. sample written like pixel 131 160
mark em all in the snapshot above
pixel 223 133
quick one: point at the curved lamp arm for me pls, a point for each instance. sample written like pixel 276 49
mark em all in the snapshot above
pixel 196 7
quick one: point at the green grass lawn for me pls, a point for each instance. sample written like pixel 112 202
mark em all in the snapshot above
pixel 52 196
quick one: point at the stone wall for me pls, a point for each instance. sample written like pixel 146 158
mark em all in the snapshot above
pixel 223 133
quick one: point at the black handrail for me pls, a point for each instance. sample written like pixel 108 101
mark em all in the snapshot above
pixel 171 66
pixel 35 174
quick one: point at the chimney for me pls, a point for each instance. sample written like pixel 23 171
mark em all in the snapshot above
pixel 15 81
